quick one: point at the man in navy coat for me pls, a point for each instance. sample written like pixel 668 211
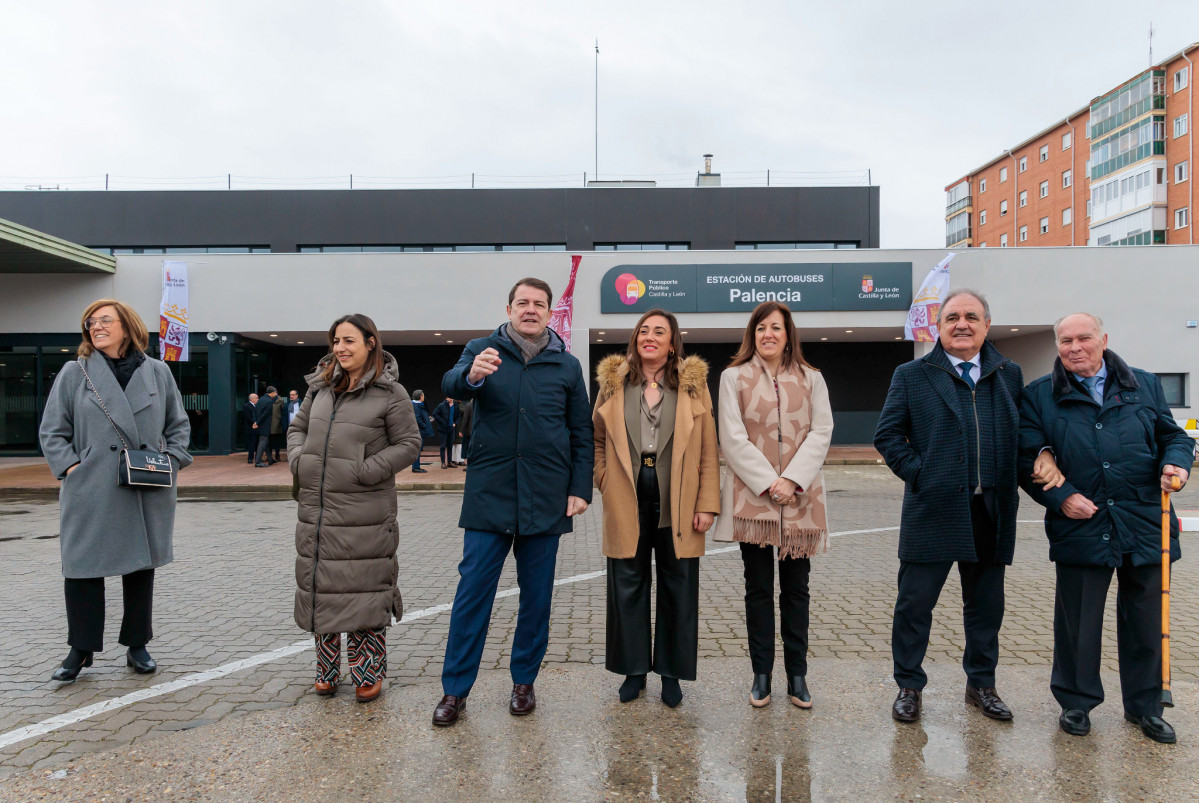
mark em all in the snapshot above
pixel 1118 445
pixel 529 474
pixel 948 429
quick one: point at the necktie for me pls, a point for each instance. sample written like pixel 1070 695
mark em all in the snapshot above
pixel 965 367
pixel 1092 386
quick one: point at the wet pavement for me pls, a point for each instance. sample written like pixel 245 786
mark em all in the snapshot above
pixel 230 715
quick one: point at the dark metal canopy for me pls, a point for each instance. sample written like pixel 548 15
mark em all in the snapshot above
pixel 26 250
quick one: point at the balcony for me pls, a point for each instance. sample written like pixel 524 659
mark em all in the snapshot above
pixel 958 206
pixel 958 237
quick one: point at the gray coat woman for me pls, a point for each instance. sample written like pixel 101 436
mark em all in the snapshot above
pixel 107 530
pixel 354 432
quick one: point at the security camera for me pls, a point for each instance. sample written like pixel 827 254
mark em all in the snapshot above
pixel 215 338
pixel 212 336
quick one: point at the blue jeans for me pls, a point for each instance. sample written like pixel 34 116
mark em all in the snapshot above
pixel 483 556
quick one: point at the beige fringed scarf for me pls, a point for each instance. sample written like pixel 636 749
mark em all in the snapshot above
pixel 800 529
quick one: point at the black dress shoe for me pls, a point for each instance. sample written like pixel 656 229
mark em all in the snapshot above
pixel 420 471
pixel 523 701
pixel 986 699
pixel 1155 728
pixel 672 694
pixel 75 660
pixel 632 688
pixel 797 691
pixel 1075 722
pixel 262 465
pixel 906 707
pixel 448 710
pixel 140 660
pixel 759 693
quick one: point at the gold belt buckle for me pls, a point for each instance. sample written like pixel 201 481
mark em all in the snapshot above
pixel 647 461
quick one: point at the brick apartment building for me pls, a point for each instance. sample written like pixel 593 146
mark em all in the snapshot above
pixel 1115 172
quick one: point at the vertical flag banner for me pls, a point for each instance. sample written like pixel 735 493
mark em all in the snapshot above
pixel 172 312
pixel 921 325
pixel 564 309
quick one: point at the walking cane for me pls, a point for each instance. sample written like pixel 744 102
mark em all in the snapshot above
pixel 1167 699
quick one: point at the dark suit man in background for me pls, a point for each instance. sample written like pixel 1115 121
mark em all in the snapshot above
pixel 278 427
pixel 247 414
pixel 948 430
pixel 424 422
pixel 1118 445
pixel 263 411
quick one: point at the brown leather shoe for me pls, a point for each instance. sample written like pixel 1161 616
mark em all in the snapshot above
pixel 986 699
pixel 523 700
pixel 906 707
pixel 448 710
pixel 364 694
pixel 325 689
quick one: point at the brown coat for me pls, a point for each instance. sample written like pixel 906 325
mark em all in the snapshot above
pixel 694 466
pixel 346 451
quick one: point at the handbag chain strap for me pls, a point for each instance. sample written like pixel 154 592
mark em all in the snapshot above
pixel 92 387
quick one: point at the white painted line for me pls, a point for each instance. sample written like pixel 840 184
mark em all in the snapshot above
pixel 87 712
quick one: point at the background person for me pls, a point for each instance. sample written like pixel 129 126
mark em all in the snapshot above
pixel 657 468
pixel 105 529
pixel 278 427
pixel 775 428
pixel 446 415
pixel 251 431
pixel 355 431
pixel 424 422
pixel 1118 445
pixel 465 424
pixel 263 412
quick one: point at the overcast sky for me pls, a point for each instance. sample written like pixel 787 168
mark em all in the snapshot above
pixel 917 93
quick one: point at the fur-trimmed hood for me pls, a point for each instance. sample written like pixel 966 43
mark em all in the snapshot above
pixel 613 372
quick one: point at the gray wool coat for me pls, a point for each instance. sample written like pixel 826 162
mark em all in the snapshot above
pixel 106 530
pixel 346 451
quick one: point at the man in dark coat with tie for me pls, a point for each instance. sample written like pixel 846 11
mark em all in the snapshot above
pixel 263 411
pixel 1118 445
pixel 247 414
pixel 948 430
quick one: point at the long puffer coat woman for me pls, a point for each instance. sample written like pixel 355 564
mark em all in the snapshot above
pixel 346 450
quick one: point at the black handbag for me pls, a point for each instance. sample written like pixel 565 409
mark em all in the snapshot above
pixel 137 468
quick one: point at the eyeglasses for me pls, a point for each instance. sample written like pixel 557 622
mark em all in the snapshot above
pixel 104 323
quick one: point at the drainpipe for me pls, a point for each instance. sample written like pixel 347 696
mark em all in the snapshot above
pixel 1073 176
pixel 1015 200
pixel 1191 148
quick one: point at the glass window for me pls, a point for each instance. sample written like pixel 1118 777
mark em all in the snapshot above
pixel 1044 189
pixel 982 185
pixel 1180 125
pixel 1024 197
pixel 1088 208
pixel 1002 208
pixel 1181 218
pixel 1180 172
pixel 982 218
pixel 471 249
pixel 1002 174
pixel 1044 225
pixel 1066 141
pixel 1023 163
pixel 1044 153
pixel 982 245
pixel 1180 79
pixel 1003 241
pixel 1067 216
pixel 1023 233
pixel 19 403
pixel 1067 178
pixel 1174 386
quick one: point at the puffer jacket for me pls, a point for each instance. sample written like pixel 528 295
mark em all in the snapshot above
pixel 346 450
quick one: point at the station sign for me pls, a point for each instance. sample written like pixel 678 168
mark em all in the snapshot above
pixel 802 286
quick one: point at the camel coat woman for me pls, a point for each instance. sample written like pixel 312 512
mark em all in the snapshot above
pixel 688 475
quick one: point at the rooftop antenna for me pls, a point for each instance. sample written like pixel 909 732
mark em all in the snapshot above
pixel 1150 43
pixel 597 109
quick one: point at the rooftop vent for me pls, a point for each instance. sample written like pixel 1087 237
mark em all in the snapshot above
pixel 707 178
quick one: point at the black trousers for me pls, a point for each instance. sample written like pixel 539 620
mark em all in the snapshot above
pixel 85 611
pixel 794 602
pixel 1078 631
pixel 264 445
pixel 277 443
pixel 676 631
pixel 251 443
pixel 982 607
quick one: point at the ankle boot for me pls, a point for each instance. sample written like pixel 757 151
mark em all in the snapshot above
pixel 797 691
pixel 759 693
pixel 672 695
pixel 631 688
pixel 76 659
pixel 140 661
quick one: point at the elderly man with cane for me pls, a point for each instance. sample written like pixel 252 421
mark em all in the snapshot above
pixel 1119 447
pixel 948 430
